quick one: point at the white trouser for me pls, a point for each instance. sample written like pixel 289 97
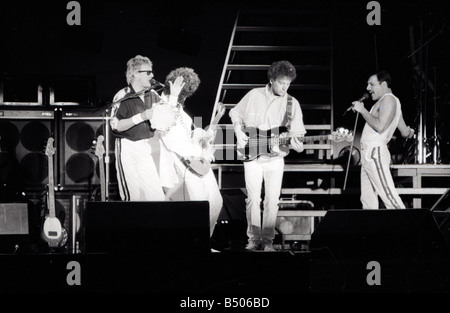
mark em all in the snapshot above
pixel 270 171
pixel 195 188
pixel 376 179
pixel 137 176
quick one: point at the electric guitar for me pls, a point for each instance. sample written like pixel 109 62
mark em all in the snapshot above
pixel 52 231
pixel 269 142
pixel 99 151
pixel 200 164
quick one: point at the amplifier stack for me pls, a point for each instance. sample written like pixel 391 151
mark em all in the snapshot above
pixel 23 136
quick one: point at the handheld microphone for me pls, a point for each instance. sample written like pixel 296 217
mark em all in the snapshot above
pixel 154 82
pixel 364 97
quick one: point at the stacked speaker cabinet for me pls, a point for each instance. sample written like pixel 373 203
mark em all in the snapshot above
pixel 79 162
pixel 23 138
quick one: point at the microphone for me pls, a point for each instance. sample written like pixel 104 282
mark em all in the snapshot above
pixel 154 82
pixel 364 97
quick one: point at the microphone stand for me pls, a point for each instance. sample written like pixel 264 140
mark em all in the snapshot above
pixel 350 153
pixel 107 152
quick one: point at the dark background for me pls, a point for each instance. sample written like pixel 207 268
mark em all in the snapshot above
pixel 36 41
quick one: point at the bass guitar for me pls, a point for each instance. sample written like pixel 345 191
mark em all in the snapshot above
pixel 52 231
pixel 99 151
pixel 270 143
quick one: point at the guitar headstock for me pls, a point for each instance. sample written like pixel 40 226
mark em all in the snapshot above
pixel 342 134
pixel 50 149
pixel 99 149
pixel 220 110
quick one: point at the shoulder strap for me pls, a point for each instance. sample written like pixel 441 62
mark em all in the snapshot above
pixel 289 112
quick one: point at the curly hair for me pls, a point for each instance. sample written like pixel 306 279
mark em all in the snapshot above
pixel 190 79
pixel 281 69
pixel 134 64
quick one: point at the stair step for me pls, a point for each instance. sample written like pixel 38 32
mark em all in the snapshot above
pixel 303 106
pixel 293 86
pixel 307 126
pixel 256 67
pixel 282 29
pixel 289 11
pixel 279 48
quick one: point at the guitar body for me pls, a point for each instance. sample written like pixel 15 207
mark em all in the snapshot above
pixel 263 142
pixel 198 166
pixel 201 148
pixel 53 233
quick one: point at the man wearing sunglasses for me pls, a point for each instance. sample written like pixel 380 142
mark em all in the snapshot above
pixel 135 145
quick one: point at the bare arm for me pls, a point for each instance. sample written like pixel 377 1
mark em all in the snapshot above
pixel 380 119
pixel 405 131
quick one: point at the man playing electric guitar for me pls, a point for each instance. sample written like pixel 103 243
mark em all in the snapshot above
pixel 185 154
pixel 276 141
pixel 267 107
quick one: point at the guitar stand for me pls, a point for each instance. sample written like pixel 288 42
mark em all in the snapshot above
pixel 107 158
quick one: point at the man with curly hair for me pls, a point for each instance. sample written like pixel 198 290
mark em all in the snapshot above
pixel 266 108
pixel 183 141
pixel 137 176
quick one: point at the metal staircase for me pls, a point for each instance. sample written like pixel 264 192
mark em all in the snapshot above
pixel 260 37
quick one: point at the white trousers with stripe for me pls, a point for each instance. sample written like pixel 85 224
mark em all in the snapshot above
pixel 194 188
pixel 270 171
pixel 137 176
pixel 376 179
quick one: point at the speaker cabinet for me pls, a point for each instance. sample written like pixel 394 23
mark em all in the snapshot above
pixel 386 250
pixel 167 229
pixel 14 230
pixel 379 234
pixel 78 161
pixel 23 138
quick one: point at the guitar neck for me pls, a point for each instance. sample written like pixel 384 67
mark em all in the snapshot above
pixel 284 141
pixel 51 189
pixel 102 179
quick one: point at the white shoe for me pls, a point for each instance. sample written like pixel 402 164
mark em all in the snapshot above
pixel 269 247
pixel 253 245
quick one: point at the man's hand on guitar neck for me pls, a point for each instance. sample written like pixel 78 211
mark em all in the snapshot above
pixel 297 144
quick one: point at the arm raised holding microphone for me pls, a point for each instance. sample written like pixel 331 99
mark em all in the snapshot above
pixel 382 120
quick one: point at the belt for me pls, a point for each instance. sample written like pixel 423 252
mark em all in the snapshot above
pixel 365 146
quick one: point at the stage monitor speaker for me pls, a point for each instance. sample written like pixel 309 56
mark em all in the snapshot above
pixel 23 138
pixel 79 163
pixel 164 229
pixel 14 231
pixel 378 234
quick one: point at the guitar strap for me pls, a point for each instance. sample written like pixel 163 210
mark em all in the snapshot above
pixel 289 112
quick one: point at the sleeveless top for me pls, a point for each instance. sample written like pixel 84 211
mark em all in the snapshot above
pixel 371 138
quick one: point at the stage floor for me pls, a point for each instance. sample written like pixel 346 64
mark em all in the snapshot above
pixel 227 273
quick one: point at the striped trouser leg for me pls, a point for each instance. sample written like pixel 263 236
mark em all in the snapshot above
pixel 378 170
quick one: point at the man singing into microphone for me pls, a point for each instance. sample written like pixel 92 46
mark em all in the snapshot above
pixel 137 175
pixel 382 120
